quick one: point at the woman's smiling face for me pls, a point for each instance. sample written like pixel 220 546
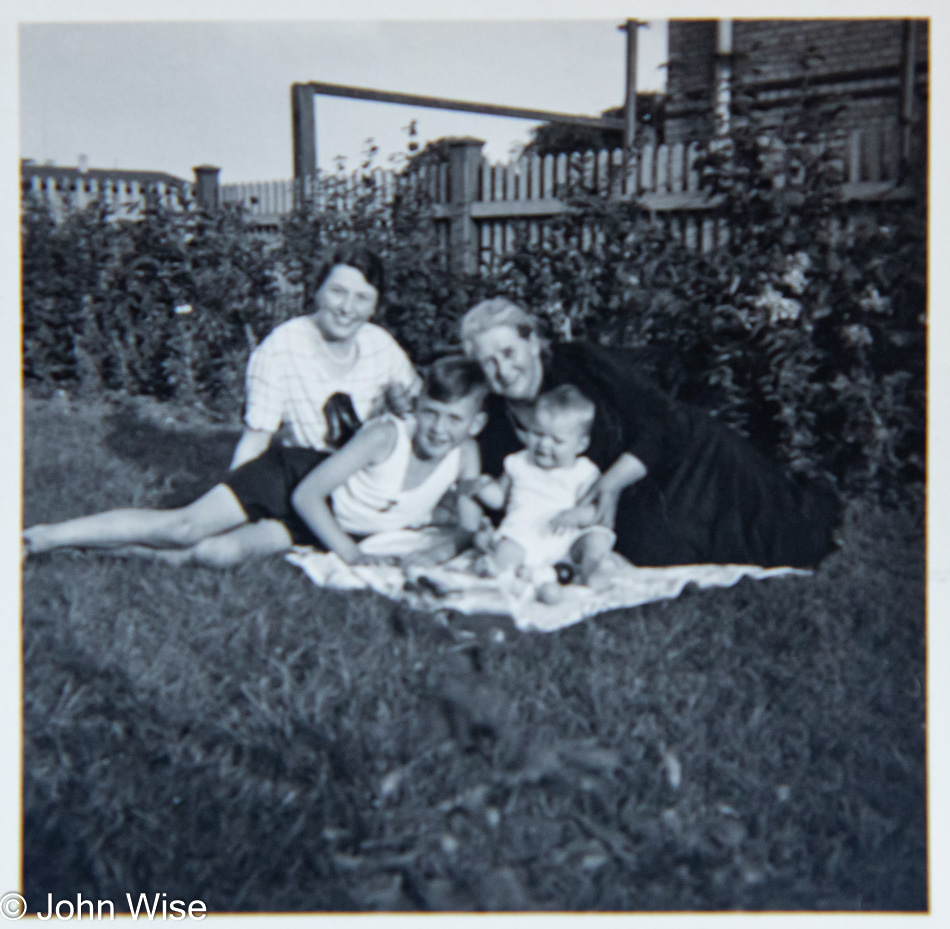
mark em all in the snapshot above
pixel 511 362
pixel 345 301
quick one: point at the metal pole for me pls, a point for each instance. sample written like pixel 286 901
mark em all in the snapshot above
pixel 908 74
pixel 462 106
pixel 630 95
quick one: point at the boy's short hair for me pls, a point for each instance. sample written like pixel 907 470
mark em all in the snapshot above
pixel 453 377
pixel 567 398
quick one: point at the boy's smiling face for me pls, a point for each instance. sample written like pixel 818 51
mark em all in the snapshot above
pixel 441 426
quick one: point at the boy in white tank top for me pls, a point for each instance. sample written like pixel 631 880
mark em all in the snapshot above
pixel 393 473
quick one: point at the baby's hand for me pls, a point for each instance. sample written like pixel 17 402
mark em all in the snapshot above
pixel 398 399
pixel 485 566
pixel 484 538
pixel 577 517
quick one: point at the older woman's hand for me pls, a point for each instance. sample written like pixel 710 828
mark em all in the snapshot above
pixel 604 500
pixel 605 493
pixel 577 517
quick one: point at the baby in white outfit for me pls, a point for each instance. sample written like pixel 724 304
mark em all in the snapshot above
pixel 541 490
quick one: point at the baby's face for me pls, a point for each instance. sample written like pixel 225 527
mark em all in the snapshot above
pixel 555 440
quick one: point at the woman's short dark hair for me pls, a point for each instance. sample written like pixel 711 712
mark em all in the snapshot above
pixel 364 259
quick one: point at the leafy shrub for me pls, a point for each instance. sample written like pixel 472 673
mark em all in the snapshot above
pixel 805 329
pixel 165 306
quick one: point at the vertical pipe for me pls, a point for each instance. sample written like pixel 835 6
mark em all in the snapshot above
pixel 908 72
pixel 722 101
pixel 630 89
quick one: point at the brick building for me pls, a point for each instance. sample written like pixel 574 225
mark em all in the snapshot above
pixel 857 73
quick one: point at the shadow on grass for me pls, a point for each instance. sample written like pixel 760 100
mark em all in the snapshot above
pixel 248 739
pixel 194 459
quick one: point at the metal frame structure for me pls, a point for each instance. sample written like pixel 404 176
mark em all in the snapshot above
pixel 305 128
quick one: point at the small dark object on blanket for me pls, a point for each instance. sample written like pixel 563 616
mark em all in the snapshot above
pixel 426 586
pixel 565 573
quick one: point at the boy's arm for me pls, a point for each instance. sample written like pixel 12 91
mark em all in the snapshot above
pixel 469 512
pixel 371 444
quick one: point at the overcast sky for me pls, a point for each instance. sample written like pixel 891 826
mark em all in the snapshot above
pixel 168 96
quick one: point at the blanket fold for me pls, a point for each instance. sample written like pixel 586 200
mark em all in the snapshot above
pixel 453 586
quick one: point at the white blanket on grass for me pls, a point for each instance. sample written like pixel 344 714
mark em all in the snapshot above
pixel 453 586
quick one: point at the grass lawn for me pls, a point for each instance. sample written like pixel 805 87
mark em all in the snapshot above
pixel 247 739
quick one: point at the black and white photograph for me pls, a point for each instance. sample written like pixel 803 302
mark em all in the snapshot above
pixel 473 462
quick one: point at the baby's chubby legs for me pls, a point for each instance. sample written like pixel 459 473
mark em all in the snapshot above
pixel 506 557
pixel 200 532
pixel 589 553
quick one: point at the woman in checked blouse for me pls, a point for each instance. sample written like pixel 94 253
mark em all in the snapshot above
pixel 317 376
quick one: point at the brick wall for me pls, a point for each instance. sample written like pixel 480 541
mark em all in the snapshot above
pixel 854 63
pixel 691 54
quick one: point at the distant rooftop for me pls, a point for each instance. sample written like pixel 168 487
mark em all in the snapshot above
pixel 29 168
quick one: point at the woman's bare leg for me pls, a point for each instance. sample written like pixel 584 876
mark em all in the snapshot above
pixel 215 512
pixel 252 540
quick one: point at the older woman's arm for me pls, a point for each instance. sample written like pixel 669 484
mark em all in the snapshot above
pixel 372 444
pixel 604 494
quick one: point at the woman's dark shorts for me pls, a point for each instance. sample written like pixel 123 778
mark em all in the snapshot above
pixel 264 485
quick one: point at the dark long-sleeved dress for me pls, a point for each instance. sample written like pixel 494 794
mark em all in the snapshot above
pixel 708 496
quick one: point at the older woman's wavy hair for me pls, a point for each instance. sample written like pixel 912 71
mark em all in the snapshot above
pixel 489 314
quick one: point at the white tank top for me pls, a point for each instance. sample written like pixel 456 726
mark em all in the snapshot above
pixel 372 500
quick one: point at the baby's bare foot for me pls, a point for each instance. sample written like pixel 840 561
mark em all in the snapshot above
pixel 550 592
pixel 485 566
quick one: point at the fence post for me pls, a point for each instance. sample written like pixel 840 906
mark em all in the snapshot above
pixel 465 158
pixel 206 187
pixel 304 126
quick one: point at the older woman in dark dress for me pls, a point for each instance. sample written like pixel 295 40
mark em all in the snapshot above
pixel 678 486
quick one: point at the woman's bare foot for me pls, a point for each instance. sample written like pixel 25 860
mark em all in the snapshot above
pixel 31 541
